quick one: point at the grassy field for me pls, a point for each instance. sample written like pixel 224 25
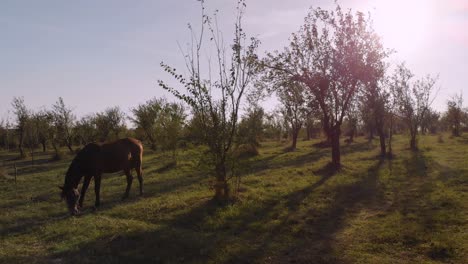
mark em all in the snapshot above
pixel 292 209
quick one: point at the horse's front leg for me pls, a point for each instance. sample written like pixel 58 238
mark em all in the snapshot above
pixel 86 181
pixel 97 189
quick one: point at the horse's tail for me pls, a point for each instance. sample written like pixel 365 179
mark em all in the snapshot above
pixel 138 164
pixel 136 154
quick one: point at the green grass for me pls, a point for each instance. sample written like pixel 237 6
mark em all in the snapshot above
pixel 292 209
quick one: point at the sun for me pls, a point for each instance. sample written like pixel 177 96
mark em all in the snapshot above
pixel 404 24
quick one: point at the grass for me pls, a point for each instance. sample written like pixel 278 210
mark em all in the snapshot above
pixel 292 209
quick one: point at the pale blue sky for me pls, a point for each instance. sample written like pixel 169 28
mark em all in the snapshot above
pixel 97 54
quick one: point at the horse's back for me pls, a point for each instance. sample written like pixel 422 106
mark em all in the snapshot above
pixel 123 146
pixel 121 154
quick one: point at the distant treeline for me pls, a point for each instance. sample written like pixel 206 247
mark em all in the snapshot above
pixel 164 125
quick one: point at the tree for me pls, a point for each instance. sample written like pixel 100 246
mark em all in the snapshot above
pixel 31 135
pixel 335 54
pixel 5 133
pixel 412 99
pixel 430 122
pixel 216 100
pixel 171 120
pixel 455 114
pixel 42 122
pixel 64 120
pixel 86 130
pixel 146 118
pixel 375 109
pixel 251 127
pixel 109 123
pixel 22 116
pixel 294 108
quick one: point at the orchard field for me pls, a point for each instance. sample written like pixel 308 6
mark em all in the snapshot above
pixel 291 208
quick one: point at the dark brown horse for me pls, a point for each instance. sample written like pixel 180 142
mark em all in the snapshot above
pixel 98 158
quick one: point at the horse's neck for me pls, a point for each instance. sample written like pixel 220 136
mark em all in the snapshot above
pixel 73 177
pixel 72 181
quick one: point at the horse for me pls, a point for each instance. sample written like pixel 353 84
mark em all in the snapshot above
pixel 98 158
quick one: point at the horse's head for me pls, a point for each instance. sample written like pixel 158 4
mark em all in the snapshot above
pixel 71 196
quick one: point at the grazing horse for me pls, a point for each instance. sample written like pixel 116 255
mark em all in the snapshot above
pixel 98 158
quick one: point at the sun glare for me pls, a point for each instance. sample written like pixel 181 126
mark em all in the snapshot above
pixel 404 24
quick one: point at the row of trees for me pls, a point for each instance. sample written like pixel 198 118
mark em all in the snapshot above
pixel 155 121
pixel 333 72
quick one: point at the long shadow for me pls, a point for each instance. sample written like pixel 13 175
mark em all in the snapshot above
pixel 356 147
pixel 296 198
pixel 199 240
pixel 258 166
pixel 310 157
pixel 314 240
pixel 152 189
pixel 421 210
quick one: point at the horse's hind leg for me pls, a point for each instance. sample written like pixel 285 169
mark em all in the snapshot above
pixel 129 184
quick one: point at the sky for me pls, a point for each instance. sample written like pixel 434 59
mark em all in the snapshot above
pixel 98 54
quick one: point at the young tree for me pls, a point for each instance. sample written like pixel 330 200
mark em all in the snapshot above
pixel 146 118
pixel 216 100
pixel 5 134
pixel 294 108
pixel 110 123
pixel 251 127
pixel 31 139
pixel 64 120
pixel 430 122
pixel 22 116
pixel 335 54
pixel 85 130
pixel 42 121
pixel 412 99
pixel 274 125
pixel 455 114
pixel 375 109
pixel 171 121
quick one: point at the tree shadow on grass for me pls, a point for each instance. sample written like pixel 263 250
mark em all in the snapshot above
pixel 428 209
pixel 152 189
pixel 315 230
pixel 273 228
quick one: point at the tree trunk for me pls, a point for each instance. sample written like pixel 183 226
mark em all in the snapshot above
pixel 69 145
pixel 413 145
pixel 295 134
pixel 20 145
pixel 390 137
pixel 413 142
pixel 381 132
pixel 54 146
pixel 371 134
pixel 221 186
pixel 383 149
pixel 335 143
pixel 44 149
pixel 21 150
pixel 351 136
